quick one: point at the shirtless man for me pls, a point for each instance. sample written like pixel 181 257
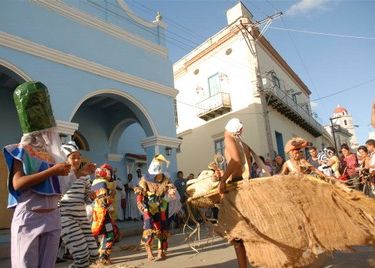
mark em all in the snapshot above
pixel 238 158
pixel 296 164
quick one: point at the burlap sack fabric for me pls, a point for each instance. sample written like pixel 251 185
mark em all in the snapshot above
pixel 286 221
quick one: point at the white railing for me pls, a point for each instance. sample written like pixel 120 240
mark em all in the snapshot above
pixel 287 99
pixel 213 103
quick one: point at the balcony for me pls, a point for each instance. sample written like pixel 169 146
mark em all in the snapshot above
pixel 214 106
pixel 281 101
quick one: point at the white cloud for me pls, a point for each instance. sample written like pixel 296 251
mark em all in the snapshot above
pixel 305 6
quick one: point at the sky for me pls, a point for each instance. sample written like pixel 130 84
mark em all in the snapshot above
pixel 330 44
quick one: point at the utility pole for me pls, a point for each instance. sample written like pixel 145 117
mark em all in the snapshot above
pixel 251 38
pixel 333 132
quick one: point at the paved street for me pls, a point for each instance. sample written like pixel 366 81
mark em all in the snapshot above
pixel 213 252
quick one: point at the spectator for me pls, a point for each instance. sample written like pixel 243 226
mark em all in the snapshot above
pixel 261 172
pixel 180 184
pixel 363 158
pixel 131 212
pixel 349 164
pixel 370 144
pixel 333 161
pixel 313 158
pixel 278 164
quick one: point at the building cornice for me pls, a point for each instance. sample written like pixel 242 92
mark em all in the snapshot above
pixel 161 141
pixel 288 70
pixel 67 128
pixel 205 49
pixel 26 46
pixel 139 20
pixel 98 24
pixel 225 35
pixel 115 157
pixel 185 132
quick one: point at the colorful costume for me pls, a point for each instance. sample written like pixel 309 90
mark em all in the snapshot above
pixel 35 229
pixel 153 201
pixel 76 229
pixel 102 223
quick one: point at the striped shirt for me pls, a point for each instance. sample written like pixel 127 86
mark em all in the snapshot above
pixel 74 201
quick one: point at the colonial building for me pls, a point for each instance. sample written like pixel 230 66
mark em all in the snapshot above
pixel 344 128
pixel 108 74
pixel 238 73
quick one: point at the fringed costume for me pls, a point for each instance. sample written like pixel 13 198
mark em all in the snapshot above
pixel 152 200
pixel 102 223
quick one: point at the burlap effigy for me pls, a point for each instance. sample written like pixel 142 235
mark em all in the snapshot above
pixel 286 221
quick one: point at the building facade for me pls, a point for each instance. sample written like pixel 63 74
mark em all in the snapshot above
pixel 237 73
pixel 108 75
pixel 344 128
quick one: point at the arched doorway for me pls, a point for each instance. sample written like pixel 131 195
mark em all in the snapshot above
pixel 10 78
pixel 103 117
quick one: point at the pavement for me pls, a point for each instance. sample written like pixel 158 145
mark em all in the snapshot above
pixel 209 251
pixel 128 228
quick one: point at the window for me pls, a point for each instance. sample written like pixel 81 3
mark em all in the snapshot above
pixel 345 123
pixel 219 146
pixel 294 97
pixel 214 85
pixel 280 144
pixel 219 149
pixel 275 80
pixel 307 108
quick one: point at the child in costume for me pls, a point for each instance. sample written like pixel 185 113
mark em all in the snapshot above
pixel 33 183
pixel 76 229
pixel 154 192
pixel 102 223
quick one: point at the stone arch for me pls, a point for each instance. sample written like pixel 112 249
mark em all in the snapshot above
pixel 10 77
pixel 141 112
pixel 21 75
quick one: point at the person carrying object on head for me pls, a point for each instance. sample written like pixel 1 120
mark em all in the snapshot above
pixel 34 165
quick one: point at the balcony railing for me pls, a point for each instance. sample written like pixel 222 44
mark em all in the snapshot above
pixel 280 100
pixel 214 106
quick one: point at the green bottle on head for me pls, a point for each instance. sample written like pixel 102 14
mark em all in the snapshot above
pixel 33 107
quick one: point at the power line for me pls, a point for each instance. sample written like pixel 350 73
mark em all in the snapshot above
pixel 172 40
pixel 346 89
pixel 321 33
pixel 187 30
pixel 188 47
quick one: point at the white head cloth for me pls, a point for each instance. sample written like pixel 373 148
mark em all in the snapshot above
pixel 234 126
pixel 69 148
pixel 156 165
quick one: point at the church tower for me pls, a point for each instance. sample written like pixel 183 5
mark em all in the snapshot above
pixel 342 118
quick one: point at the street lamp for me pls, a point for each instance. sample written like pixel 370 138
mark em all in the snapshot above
pixel 333 131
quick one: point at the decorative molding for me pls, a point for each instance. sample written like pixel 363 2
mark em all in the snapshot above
pixel 115 157
pixel 114 136
pixel 161 141
pixel 65 127
pixel 139 20
pixel 185 132
pixel 122 94
pixel 98 24
pixel 54 55
pixel 15 69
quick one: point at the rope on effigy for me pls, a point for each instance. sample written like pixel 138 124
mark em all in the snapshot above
pixel 196 230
